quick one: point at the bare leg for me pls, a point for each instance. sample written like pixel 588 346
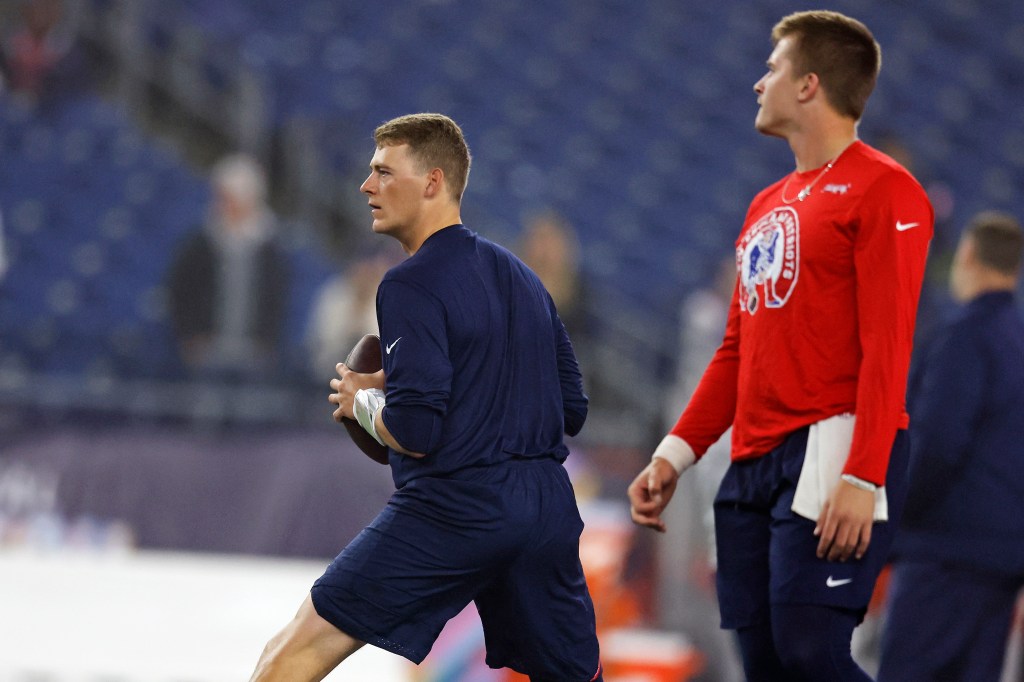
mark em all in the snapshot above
pixel 306 649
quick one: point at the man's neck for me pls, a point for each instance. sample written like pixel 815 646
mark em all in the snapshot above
pixel 430 227
pixel 816 145
pixel 991 283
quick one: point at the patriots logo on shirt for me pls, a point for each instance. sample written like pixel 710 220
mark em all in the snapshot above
pixel 767 257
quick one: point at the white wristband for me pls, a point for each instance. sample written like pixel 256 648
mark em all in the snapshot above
pixel 859 483
pixel 676 452
pixel 365 406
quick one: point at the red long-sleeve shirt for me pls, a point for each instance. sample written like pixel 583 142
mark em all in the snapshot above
pixel 822 318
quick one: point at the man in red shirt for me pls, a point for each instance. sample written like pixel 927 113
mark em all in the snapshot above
pixel 812 372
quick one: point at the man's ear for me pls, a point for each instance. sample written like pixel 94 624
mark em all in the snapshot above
pixel 435 183
pixel 810 85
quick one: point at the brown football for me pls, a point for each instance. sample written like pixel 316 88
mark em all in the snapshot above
pixel 365 358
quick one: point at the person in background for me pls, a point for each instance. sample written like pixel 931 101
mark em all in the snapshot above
pixel 687 599
pixel 228 284
pixel 40 58
pixel 344 310
pixel 812 372
pixel 959 555
pixel 550 248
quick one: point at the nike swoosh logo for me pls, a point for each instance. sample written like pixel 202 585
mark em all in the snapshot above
pixel 832 582
pixel 387 349
pixel 903 227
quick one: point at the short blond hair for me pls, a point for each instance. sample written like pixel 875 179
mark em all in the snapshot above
pixel 840 50
pixel 435 141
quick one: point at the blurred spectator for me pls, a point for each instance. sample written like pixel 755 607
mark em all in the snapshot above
pixel 687 558
pixel 39 58
pixel 344 310
pixel 959 555
pixel 550 248
pixel 229 282
pixel 702 324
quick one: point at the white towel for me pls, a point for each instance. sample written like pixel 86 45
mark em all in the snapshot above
pixel 828 446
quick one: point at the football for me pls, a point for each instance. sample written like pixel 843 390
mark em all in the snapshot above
pixel 365 358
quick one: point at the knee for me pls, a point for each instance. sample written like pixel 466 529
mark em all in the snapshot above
pixel 269 660
pixel 760 659
pixel 307 648
pixel 803 655
pixel 814 643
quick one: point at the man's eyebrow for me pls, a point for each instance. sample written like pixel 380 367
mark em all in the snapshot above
pixel 379 166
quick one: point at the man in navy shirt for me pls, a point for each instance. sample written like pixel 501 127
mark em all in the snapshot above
pixel 959 553
pixel 481 383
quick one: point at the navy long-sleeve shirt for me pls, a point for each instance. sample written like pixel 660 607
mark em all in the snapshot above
pixel 966 500
pixel 479 367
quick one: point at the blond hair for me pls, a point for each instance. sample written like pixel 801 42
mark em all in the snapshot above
pixel 435 141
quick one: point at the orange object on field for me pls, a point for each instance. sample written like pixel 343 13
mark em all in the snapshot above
pixel 637 655
pixel 881 591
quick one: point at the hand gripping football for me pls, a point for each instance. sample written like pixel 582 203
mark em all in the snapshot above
pixel 365 358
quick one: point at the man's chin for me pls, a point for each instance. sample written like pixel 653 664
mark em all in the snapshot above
pixel 766 129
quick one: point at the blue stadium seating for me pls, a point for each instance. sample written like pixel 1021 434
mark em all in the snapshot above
pixel 633 119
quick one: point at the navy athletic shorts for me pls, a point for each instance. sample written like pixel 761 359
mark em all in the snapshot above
pixel 506 537
pixel 767 553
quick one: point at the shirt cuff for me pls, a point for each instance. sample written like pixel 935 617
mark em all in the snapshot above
pixel 676 452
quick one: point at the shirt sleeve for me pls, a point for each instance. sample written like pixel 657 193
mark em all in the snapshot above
pixel 712 408
pixel 891 247
pixel 416 365
pixel 574 400
pixel 943 427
